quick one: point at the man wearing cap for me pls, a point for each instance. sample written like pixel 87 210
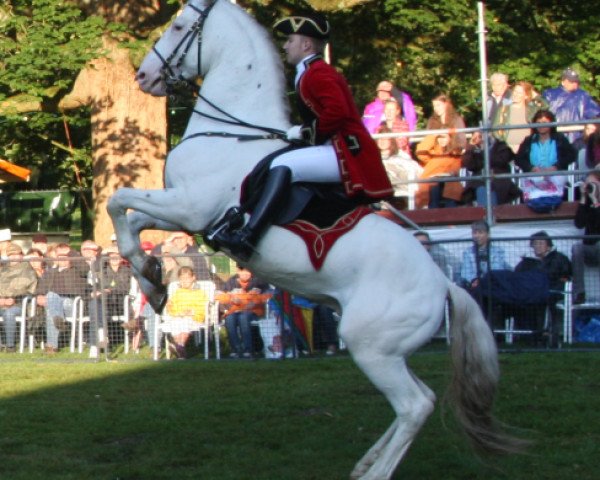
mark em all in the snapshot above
pixel 570 103
pixel 340 148
pixel 373 113
pixel 17 280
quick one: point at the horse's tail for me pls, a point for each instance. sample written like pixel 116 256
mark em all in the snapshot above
pixel 475 376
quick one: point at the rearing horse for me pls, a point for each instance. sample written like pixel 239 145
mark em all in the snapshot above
pixel 389 292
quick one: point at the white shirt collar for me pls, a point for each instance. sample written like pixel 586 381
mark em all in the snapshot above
pixel 301 67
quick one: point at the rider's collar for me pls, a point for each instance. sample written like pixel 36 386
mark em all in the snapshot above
pixel 303 65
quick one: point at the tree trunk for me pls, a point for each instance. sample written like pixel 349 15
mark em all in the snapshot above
pixel 128 131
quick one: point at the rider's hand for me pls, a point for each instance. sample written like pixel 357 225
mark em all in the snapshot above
pixel 294 133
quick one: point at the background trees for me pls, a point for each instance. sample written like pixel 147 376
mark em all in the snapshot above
pixel 424 46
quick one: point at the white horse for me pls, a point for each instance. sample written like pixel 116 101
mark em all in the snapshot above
pixel 390 294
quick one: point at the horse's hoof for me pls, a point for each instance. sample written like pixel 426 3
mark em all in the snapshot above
pixel 152 271
pixel 158 300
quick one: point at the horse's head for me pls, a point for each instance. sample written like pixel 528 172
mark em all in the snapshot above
pixel 177 56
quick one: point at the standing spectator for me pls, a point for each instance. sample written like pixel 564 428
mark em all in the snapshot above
pixel 398 165
pixel 244 301
pixel 571 103
pixel 185 244
pixel 17 280
pixel 500 95
pixel 373 113
pixel 394 122
pixel 65 282
pixel 39 241
pixel 445 116
pixel 481 258
pixel 587 217
pixel 500 156
pixel 525 104
pixel 440 159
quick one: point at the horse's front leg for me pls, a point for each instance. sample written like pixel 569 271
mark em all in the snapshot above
pixel 145 205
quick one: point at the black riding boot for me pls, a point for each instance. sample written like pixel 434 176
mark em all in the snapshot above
pixel 241 243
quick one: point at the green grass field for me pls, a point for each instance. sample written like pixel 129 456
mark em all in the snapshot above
pixel 302 419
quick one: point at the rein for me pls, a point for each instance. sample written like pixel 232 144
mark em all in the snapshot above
pixel 175 82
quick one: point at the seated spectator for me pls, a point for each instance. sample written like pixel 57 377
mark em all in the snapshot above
pixel 373 113
pixel 440 159
pixel 244 301
pixel 65 282
pixel 500 156
pixel 481 258
pixel 110 295
pixel 526 102
pixel 186 310
pixel 587 217
pixel 571 103
pixel 592 147
pixel 445 116
pixel 399 166
pixel 545 150
pixel 395 123
pixel 558 269
pixel 5 238
pixel 447 262
pixel 17 280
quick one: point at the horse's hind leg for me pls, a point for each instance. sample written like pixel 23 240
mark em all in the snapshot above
pixel 413 403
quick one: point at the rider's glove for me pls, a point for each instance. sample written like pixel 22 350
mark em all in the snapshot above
pixel 294 133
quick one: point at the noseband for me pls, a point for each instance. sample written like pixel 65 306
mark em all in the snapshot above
pixel 175 81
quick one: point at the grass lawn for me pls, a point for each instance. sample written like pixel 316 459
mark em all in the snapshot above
pixel 303 419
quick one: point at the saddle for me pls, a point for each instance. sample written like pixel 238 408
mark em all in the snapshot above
pixel 320 204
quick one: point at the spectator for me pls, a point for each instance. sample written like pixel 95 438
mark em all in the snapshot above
pixel 447 262
pixel 394 122
pixel 110 295
pixel 398 165
pixel 445 116
pixel 500 96
pixel 587 217
pixel 17 280
pixel 558 269
pixel 5 238
pixel 440 159
pixel 325 329
pixel 172 260
pixel 571 103
pixel 185 244
pixel 142 311
pixel 481 258
pixel 40 242
pixel 373 113
pixel 244 301
pixel 36 323
pixel 592 147
pixel 64 283
pixel 186 309
pixel 545 150
pixel 526 102
pixel 500 158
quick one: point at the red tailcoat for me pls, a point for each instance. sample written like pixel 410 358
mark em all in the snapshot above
pixel 328 110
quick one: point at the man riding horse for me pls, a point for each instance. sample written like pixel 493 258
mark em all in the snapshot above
pixel 340 151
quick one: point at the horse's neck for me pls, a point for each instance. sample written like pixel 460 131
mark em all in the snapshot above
pixel 245 79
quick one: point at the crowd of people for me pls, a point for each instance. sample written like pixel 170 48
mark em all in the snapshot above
pixel 57 277
pixel 447 154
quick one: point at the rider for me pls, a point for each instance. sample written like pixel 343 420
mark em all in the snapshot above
pixel 341 149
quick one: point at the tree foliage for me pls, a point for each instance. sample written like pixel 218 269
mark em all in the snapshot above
pixel 423 46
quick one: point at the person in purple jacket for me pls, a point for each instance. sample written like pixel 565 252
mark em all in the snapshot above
pixel 373 113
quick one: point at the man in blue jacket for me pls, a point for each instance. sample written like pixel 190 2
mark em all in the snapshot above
pixel 570 103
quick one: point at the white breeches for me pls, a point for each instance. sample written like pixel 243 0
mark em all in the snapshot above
pixel 311 164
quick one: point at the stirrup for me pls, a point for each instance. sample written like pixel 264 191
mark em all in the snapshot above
pixel 232 220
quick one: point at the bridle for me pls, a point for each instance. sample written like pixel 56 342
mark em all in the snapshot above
pixel 177 82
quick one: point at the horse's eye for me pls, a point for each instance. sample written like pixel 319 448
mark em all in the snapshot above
pixel 177 27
